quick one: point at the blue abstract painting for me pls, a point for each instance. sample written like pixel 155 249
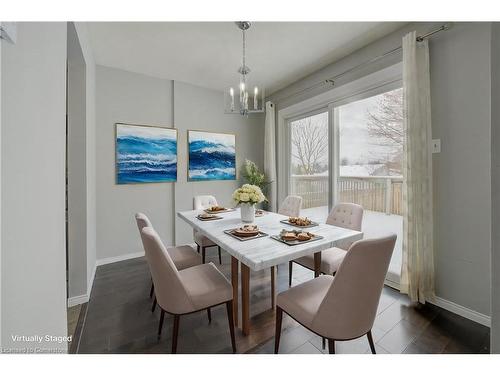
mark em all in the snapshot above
pixel 212 156
pixel 145 154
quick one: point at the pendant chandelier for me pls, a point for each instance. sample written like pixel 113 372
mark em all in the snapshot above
pixel 249 99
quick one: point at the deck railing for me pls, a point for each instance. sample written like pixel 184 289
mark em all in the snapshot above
pixel 375 193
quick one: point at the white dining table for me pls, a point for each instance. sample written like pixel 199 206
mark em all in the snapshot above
pixel 264 252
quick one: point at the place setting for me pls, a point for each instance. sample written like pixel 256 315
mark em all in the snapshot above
pixel 204 216
pixel 246 232
pixel 295 237
pixel 260 213
pixel 211 213
pixel 300 222
pixel 218 210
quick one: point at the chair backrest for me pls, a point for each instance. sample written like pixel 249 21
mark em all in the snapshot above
pixel 291 206
pixel 142 221
pixel 350 305
pixel 169 289
pixel 202 202
pixel 346 215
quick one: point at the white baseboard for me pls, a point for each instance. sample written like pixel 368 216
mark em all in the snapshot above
pixel 101 262
pixel 475 316
pixel 91 281
pixel 78 300
pixel 453 307
pixel 392 284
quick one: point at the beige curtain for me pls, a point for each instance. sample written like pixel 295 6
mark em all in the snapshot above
pixel 270 155
pixel 417 273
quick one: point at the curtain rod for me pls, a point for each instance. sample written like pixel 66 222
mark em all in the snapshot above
pixel 331 81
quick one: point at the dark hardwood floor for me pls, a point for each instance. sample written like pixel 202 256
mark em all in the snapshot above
pixel 119 320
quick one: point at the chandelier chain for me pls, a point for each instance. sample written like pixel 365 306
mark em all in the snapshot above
pixel 244 52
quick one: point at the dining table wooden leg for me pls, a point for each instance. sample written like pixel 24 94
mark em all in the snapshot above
pixel 245 299
pixel 317 264
pixel 273 287
pixel 234 283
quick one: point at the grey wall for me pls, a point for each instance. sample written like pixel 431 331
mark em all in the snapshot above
pixel 197 108
pixel 495 188
pixel 76 167
pixel 131 98
pixel 460 89
pixel 33 183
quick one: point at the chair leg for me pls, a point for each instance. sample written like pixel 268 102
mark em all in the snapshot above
pixel 277 335
pixel 175 333
pixel 229 308
pixel 154 305
pixel 198 248
pixel 323 343
pixel 209 314
pixel 370 341
pixel 203 255
pixel 220 256
pixel 290 268
pixel 152 289
pixel 161 322
pixel 273 286
pixel 331 346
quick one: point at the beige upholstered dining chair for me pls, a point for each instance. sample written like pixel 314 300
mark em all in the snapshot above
pixel 345 215
pixel 183 256
pixel 343 307
pixel 202 202
pixel 187 291
pixel 291 206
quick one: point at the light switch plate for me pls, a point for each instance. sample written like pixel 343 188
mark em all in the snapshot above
pixel 436 146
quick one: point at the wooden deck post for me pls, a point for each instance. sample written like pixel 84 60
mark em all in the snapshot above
pixel 388 196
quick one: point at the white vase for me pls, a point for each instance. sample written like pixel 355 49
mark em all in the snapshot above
pixel 247 212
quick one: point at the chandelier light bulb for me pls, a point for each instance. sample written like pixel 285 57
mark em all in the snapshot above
pixel 231 92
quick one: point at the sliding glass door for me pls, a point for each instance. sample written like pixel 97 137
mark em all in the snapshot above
pixel 352 151
pixel 370 152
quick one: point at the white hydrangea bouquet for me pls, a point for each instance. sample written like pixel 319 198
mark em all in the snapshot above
pixel 247 197
pixel 248 194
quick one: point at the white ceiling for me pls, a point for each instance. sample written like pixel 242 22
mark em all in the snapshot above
pixel 208 54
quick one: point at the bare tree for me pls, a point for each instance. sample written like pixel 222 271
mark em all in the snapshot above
pixel 386 127
pixel 309 144
pixel 386 123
